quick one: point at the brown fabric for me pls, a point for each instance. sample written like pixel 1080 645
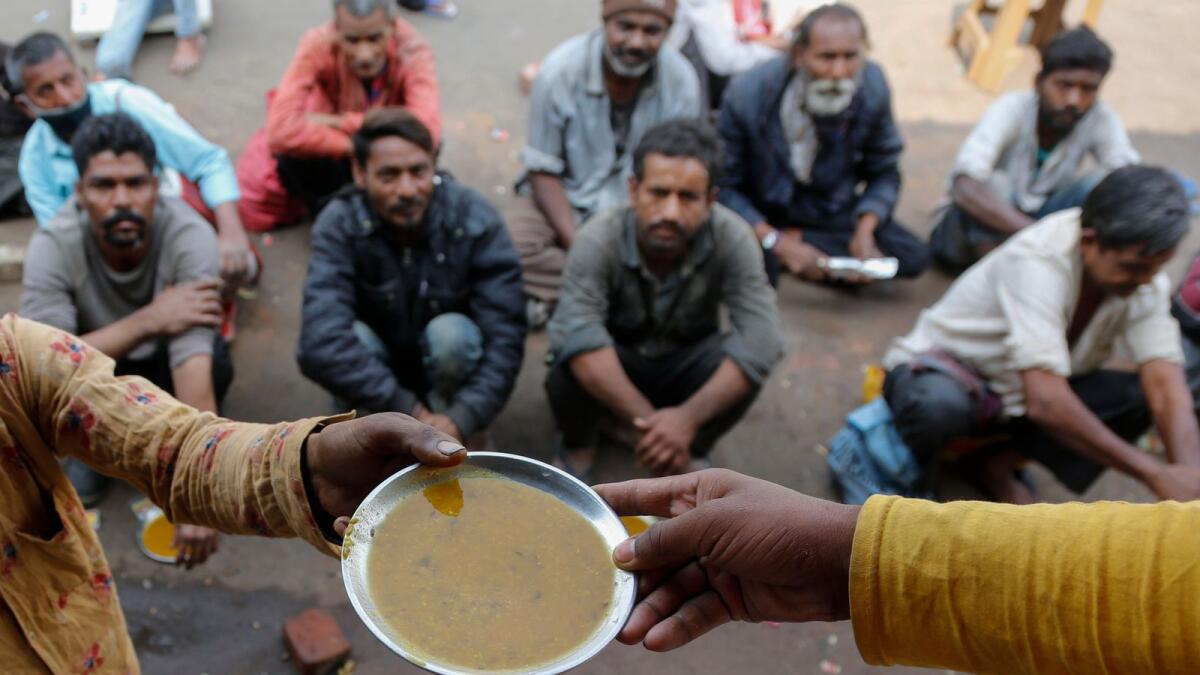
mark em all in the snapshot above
pixel 59 610
pixel 542 257
pixel 610 8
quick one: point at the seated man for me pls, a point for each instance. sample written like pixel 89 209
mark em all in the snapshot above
pixel 51 87
pixel 812 153
pixel 1025 158
pixel 413 297
pixel 1015 350
pixel 14 124
pixel 592 101
pixel 60 611
pixel 364 59
pixel 119 44
pixel 637 331
pixel 134 273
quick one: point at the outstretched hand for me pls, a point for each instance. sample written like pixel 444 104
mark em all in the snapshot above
pixel 734 548
pixel 349 459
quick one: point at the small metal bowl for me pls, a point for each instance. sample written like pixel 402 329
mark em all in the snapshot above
pixel 582 499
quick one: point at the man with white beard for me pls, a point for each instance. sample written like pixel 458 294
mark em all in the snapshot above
pixel 812 153
pixel 592 101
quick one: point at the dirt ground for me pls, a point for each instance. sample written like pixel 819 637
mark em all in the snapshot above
pixel 227 616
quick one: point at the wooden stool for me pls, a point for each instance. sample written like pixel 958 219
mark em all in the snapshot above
pixel 993 55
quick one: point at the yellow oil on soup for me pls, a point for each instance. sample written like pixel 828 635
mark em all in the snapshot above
pixel 489 574
pixel 158 537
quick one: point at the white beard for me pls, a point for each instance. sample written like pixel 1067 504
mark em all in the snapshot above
pixel 623 70
pixel 827 98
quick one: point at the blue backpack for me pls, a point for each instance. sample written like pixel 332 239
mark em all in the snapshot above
pixel 868 457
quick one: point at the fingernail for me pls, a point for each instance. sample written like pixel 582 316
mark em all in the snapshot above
pixel 449 448
pixel 624 552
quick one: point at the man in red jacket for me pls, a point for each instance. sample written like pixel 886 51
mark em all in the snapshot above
pixel 365 58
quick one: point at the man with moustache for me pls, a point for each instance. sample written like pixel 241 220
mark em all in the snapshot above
pixel 812 153
pixel 136 275
pixel 1013 359
pixel 593 100
pixel 638 333
pixel 413 298
pixel 1025 158
pixel 365 58
pixel 49 85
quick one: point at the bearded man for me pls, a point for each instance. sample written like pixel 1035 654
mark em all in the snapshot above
pixel 1024 160
pixel 812 153
pixel 592 102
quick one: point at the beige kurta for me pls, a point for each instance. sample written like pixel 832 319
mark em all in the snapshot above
pixel 58 397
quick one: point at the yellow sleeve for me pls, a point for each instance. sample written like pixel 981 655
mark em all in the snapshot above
pixel 233 477
pixel 1051 588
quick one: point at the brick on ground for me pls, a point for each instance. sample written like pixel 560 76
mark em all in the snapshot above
pixel 315 642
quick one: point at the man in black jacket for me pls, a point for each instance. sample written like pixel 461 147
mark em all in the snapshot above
pixel 413 301
pixel 812 152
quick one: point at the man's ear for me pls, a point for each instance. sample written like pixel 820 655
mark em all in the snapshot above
pixel 712 194
pixel 633 187
pixel 79 190
pixel 23 106
pixel 360 178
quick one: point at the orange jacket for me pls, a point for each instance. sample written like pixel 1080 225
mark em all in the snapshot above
pixel 318 80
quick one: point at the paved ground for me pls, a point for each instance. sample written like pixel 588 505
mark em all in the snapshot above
pixel 226 617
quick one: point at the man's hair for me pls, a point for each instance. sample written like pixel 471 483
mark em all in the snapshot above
pixel 833 10
pixel 117 132
pixel 681 138
pixel 1138 206
pixel 35 49
pixel 1078 48
pixel 364 8
pixel 385 122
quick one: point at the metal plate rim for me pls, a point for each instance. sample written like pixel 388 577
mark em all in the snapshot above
pixel 625 586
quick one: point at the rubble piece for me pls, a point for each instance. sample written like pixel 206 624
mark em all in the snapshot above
pixel 315 643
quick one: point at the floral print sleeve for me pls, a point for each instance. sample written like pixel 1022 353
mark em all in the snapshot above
pixel 59 610
pixel 234 477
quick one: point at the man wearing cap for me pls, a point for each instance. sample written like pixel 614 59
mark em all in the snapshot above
pixel 592 101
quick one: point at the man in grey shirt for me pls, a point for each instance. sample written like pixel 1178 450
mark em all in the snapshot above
pixel 133 272
pixel 1025 158
pixel 594 98
pixel 637 330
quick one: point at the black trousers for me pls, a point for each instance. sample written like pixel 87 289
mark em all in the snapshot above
pixel 893 239
pixel 932 409
pixel 157 369
pixel 667 381
pixel 313 180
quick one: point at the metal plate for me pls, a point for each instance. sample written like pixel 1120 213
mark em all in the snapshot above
pixel 575 494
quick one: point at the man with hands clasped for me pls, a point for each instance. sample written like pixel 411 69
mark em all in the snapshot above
pixel 637 331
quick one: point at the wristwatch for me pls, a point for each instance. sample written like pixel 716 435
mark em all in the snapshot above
pixel 769 241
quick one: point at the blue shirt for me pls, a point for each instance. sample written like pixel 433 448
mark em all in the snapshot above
pixel 570 120
pixel 48 170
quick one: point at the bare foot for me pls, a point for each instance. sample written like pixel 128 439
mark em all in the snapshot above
pixel 189 52
pixel 578 463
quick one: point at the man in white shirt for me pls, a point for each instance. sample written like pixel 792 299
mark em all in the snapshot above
pixel 1014 352
pixel 1025 158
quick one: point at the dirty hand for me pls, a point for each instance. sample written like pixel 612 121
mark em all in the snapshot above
pixel 442 423
pixel 180 308
pixel 667 436
pixel 863 246
pixel 1176 482
pixel 194 545
pixel 734 548
pixel 799 258
pixel 348 459
pixel 234 245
